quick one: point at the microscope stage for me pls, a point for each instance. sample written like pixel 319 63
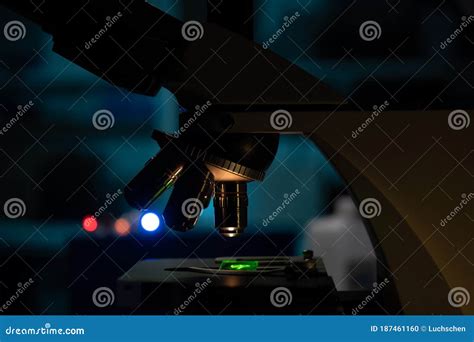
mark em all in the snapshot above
pixel 168 286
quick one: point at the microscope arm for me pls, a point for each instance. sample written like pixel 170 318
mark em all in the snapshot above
pixel 141 48
pixel 419 170
pixel 125 45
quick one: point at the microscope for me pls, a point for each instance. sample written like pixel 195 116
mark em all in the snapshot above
pixel 253 96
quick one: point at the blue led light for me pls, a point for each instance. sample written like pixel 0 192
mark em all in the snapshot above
pixel 150 222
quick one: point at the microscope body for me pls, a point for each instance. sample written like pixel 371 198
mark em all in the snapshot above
pixel 411 242
pixel 410 161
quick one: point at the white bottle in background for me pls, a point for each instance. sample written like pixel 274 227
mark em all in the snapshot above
pixel 342 241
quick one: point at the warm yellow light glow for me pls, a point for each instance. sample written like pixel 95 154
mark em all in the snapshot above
pixel 221 175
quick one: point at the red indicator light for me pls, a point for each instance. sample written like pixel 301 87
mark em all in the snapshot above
pixel 89 223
